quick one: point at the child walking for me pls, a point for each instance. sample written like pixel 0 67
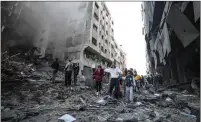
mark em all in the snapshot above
pixel 129 87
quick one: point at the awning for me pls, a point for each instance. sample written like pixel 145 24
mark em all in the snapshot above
pixel 182 27
pixel 196 7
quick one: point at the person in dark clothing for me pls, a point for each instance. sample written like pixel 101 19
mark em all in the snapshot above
pixel 114 82
pixel 55 67
pixel 98 77
pixel 75 72
pixel 68 73
pixel 129 87
pixel 142 83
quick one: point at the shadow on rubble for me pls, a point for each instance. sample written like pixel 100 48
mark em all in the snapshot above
pixel 29 95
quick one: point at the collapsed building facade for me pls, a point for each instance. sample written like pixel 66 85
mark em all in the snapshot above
pixel 81 31
pixel 172 34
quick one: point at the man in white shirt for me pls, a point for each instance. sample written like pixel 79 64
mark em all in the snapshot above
pixel 68 73
pixel 114 74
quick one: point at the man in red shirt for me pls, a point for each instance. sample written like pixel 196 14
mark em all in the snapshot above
pixel 98 76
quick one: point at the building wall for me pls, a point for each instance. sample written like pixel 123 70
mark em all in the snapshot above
pixel 173 49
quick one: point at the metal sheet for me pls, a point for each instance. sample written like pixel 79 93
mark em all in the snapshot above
pixel 196 7
pixel 183 28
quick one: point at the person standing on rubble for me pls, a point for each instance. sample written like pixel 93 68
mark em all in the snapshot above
pixel 129 87
pixel 75 71
pixel 68 73
pixel 137 80
pixel 98 77
pixel 55 67
pixel 114 74
pixel 123 80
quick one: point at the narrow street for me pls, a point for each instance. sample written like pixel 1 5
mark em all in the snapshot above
pixel 33 97
pixel 100 61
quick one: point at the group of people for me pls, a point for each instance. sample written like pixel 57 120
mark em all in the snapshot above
pixel 128 79
pixel 71 70
pixel 156 79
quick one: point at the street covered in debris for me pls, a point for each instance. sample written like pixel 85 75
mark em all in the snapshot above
pixel 29 95
pixel 60 63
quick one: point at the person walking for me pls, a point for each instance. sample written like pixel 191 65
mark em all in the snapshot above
pixel 98 77
pixel 75 72
pixel 55 67
pixel 68 73
pixel 114 75
pixel 129 87
pixel 123 79
pixel 137 80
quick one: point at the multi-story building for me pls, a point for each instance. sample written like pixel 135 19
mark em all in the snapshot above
pixel 172 34
pixel 82 31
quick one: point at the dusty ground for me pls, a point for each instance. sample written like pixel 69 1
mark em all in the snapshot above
pixel 34 98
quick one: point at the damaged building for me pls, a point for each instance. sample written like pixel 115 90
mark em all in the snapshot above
pixel 81 31
pixel 172 34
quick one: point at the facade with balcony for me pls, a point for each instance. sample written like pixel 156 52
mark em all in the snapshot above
pixel 172 34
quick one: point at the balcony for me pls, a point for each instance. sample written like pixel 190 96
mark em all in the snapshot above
pixel 96 10
pixel 95 34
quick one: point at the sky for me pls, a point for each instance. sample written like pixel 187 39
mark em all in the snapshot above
pixel 128 32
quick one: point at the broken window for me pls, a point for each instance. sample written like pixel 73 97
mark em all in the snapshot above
pixel 106 41
pixel 95 27
pixel 105 51
pixel 112 46
pixel 96 5
pixel 102 48
pixel 94 41
pixel 107 32
pixel 96 16
pixel 103 27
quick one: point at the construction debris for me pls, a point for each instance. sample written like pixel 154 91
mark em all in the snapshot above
pixel 29 95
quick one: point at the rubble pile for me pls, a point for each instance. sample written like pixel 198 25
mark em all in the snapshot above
pixel 33 97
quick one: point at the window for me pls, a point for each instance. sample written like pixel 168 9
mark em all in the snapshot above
pixel 94 41
pixel 96 5
pixel 101 12
pixel 106 41
pixel 107 14
pixel 112 46
pixel 112 30
pixel 102 48
pixel 112 22
pixel 102 36
pixel 105 51
pixel 112 55
pixel 103 18
pixel 103 27
pixel 107 32
pixel 99 45
pixel 96 16
pixel 95 27
pixel 106 23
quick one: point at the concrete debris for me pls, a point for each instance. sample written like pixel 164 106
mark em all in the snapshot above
pixel 29 95
pixel 67 118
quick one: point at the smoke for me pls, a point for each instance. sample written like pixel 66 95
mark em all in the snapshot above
pixel 58 24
